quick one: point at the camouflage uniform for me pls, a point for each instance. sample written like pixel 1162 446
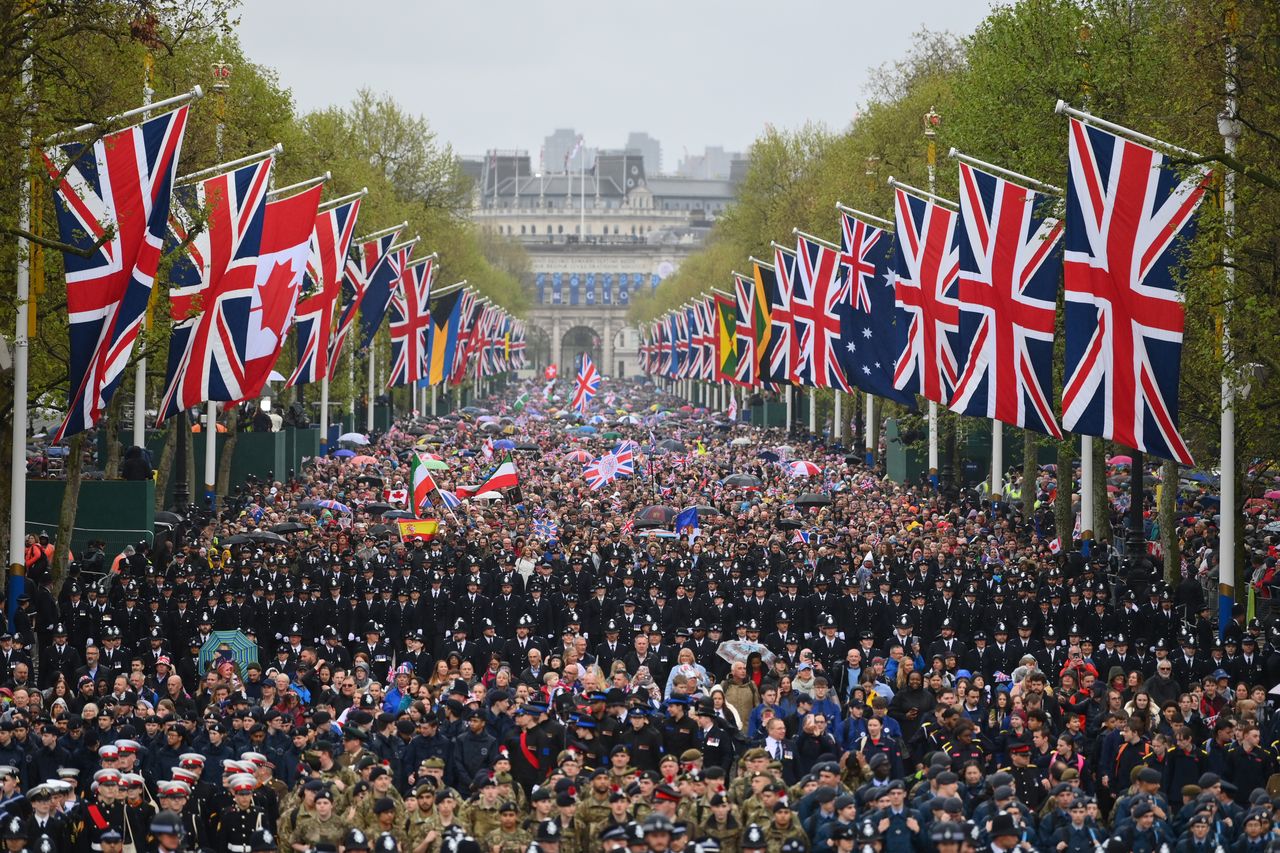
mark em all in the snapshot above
pixel 592 810
pixel 777 836
pixel 515 841
pixel 312 830
pixel 481 820
pixel 729 833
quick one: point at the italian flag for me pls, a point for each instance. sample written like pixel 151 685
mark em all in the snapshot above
pixel 423 484
pixel 499 479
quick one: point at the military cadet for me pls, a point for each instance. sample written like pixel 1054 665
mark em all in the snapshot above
pixel 443 822
pixel 573 829
pixel 175 796
pixel 167 834
pixel 234 827
pixel 508 837
pixel 716 741
pixel 45 822
pixel 105 812
pixel 1027 777
pixel 321 824
pixel 386 822
pixel 722 824
pixel 593 806
pixel 482 816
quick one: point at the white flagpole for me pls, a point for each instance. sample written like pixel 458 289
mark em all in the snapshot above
pixel 1086 483
pixel 368 420
pixel 813 411
pixel 837 426
pixel 790 389
pixel 221 82
pixel 869 405
pixel 1229 127
pixel 140 373
pixel 22 276
pixel 324 410
pixel 997 458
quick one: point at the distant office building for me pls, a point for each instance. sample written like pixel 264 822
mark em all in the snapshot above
pixel 557 147
pixel 714 164
pixel 648 148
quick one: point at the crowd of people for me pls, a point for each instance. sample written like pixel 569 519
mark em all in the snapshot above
pixel 833 662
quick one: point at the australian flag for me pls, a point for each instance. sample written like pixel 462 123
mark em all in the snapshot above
pixel 872 327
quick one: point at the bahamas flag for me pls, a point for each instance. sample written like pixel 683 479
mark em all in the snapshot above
pixel 442 341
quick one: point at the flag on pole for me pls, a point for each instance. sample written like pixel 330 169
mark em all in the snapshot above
pixel 1009 266
pixel 816 336
pixel 687 522
pixel 118 191
pixel 282 261
pixel 872 326
pixel 410 323
pixel 423 484
pixel 370 257
pixel 500 478
pixel 775 359
pixel 330 241
pixel 732 411
pixel 213 285
pixel 726 326
pixel 377 295
pixel 925 283
pixel 587 385
pixel 442 339
pixel 1129 216
pixel 748 368
pixel 604 470
pixel 400 496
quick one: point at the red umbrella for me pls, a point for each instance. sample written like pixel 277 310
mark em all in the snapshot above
pixel 1120 460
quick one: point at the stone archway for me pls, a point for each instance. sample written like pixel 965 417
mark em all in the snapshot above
pixel 577 340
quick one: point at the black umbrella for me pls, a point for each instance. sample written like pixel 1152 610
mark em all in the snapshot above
pixel 790 524
pixel 289 527
pixel 672 445
pixel 380 530
pixel 377 508
pixel 397 513
pixel 416 430
pixel 370 480
pixel 742 481
pixel 853 459
pixel 814 499
pixel 707 510
pixel 527 447
pixel 265 536
pixel 168 517
pixel 238 539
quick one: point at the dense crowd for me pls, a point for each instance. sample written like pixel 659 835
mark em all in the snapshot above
pixel 835 662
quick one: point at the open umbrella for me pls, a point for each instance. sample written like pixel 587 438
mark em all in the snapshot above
pixel 266 536
pixel 488 496
pixel 275 376
pixel 383 530
pixel 504 444
pixel 527 447
pixel 656 515
pixel 491 427
pixel 767 456
pixel 370 480
pixel 227 647
pixel 739 650
pixel 1120 460
pixel 706 510
pixel 1271 495
pixel 344 453
pixel 168 517
pixel 813 499
pixel 579 456
pixel 363 459
pixel 353 438
pixel 376 508
pixel 436 464
pixel 611 435
pixel 801 468
pixel 672 445
pixel 742 481
pixel 742 441
pixel 238 539
pixel 789 524
pixel 287 527
pixel 326 503
pixel 397 513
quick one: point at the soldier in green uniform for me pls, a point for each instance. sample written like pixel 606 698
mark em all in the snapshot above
pixel 593 806
pixel 444 819
pixel 481 816
pixel 508 837
pixel 784 827
pixel 387 821
pixel 722 823
pixel 754 761
pixel 419 807
pixel 322 825
pixel 574 832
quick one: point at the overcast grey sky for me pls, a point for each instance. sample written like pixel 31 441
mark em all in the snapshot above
pixel 505 74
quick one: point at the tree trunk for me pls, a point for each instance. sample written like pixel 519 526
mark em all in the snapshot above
pixel 1064 515
pixel 1101 497
pixel 67 517
pixel 221 489
pixel 6 448
pixel 165 462
pixel 1167 509
pixel 1028 474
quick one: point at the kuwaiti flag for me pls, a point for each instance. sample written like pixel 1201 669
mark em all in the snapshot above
pixel 423 484
pixel 501 478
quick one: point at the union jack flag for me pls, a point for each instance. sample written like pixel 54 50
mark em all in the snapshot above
pixel 377 295
pixel 609 467
pixel 927 269
pixel 1128 214
pixel 330 241
pixel 1008 302
pixel 588 384
pixel 214 286
pixel 546 530
pixel 869 316
pixel 748 368
pixel 410 321
pixel 693 320
pixel 471 312
pixel 117 191
pixel 370 257
pixel 816 292
pixel 776 361
pixel 675 333
pixel 708 312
